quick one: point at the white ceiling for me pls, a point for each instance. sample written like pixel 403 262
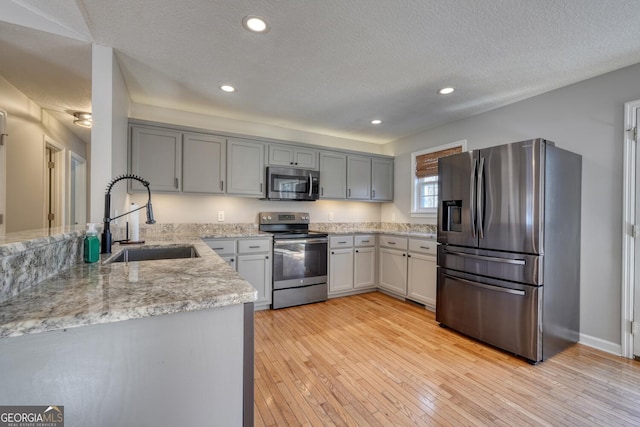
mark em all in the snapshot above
pixel 325 66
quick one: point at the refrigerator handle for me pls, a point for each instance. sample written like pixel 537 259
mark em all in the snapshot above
pixel 480 198
pixel 472 207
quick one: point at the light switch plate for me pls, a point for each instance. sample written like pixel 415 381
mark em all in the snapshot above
pixel 221 216
pixel 330 216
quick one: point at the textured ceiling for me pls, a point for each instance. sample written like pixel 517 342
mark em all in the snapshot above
pixel 325 66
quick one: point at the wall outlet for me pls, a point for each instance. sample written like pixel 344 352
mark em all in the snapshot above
pixel 330 216
pixel 393 217
pixel 220 216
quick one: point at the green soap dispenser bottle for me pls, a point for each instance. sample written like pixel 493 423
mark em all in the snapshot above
pixel 91 244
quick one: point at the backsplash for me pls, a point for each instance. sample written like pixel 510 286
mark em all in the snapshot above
pixel 168 231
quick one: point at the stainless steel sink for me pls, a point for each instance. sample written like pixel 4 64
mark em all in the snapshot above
pixel 150 254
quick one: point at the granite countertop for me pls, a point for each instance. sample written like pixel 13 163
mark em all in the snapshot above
pixel 88 294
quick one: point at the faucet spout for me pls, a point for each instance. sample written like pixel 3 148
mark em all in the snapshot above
pixel 107 239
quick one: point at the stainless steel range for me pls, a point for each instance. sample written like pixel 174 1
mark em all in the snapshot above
pixel 299 259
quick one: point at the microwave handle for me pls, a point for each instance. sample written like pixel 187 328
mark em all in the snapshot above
pixel 310 185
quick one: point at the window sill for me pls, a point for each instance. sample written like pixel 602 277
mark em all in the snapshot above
pixel 432 215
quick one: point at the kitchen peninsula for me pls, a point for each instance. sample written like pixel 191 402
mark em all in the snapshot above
pixel 163 342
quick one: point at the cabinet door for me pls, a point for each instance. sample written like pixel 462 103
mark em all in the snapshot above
pixel 285 155
pixel 256 269
pixel 156 156
pixel 421 279
pixel 203 163
pixel 393 270
pixel 280 155
pixel 231 260
pixel 305 158
pixel 364 263
pixel 358 177
pixel 333 175
pixel 382 179
pixel 340 270
pixel 245 167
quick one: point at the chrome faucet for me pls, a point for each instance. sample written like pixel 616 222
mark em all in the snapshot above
pixel 106 231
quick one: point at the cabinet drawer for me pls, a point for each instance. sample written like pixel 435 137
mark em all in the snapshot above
pixel 253 246
pixel 399 243
pixel 365 240
pixel 340 242
pixel 423 246
pixel 222 247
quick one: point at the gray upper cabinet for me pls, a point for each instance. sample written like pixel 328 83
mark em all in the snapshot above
pixel 358 177
pixel 298 157
pixel 156 155
pixel 381 179
pixel 203 163
pixel 333 175
pixel 245 167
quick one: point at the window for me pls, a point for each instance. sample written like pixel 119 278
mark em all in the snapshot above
pixel 424 177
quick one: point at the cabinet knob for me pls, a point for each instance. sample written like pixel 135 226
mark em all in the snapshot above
pixel 404 254
pixel 357 251
pixel 266 257
pixel 333 253
pixel 291 163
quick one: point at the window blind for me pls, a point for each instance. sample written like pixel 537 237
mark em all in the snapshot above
pixel 427 164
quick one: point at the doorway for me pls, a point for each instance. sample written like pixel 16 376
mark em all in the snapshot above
pixel 54 173
pixel 631 234
pixel 77 191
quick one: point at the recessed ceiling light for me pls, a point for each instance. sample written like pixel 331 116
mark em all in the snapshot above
pixel 255 24
pixel 446 90
pixel 228 88
pixel 376 121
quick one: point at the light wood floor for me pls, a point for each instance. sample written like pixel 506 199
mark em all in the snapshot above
pixel 373 360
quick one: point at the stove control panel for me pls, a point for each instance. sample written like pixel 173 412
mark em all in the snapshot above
pixel 283 218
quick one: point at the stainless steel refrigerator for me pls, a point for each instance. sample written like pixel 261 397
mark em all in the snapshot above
pixel 509 253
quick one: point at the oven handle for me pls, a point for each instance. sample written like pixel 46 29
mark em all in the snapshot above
pixel 287 241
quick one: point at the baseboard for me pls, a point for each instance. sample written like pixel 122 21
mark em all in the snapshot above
pixel 601 344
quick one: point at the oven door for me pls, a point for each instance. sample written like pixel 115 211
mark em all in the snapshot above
pixel 299 262
pixel 292 184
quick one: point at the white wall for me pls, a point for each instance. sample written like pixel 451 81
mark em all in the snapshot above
pixel 586 118
pixel 27 124
pixel 169 208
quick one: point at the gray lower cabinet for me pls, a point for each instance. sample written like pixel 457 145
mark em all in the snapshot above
pixel 351 264
pixel 340 270
pixel 407 268
pixel 364 262
pixel 392 273
pixel 421 279
pixel 358 177
pixel 252 259
pixel 155 155
pixel 245 167
pixel 381 179
pixel 333 175
pixel 204 165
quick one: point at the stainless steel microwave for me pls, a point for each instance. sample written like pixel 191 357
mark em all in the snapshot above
pixel 292 184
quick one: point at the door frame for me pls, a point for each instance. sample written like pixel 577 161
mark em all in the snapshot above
pixel 3 171
pixel 59 182
pixel 629 219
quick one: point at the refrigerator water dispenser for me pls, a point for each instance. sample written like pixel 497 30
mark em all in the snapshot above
pixel 452 215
